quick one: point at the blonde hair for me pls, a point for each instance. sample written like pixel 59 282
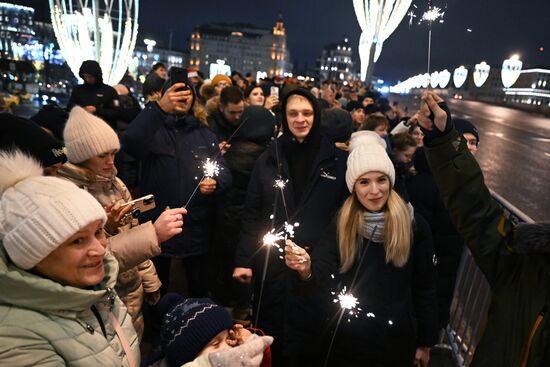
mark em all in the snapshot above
pixel 397 231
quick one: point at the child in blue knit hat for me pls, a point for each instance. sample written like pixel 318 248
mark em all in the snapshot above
pixel 196 332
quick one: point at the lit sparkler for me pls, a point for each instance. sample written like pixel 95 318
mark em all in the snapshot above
pixel 432 14
pixel 211 168
pixel 280 184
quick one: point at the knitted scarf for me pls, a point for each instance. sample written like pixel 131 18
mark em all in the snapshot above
pixel 374 225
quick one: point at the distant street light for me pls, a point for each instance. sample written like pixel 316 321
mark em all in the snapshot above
pixel 88 31
pixel 459 76
pixel 511 69
pixel 481 73
pixel 378 19
pixel 150 44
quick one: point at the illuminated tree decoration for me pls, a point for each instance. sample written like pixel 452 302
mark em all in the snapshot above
pixel 87 31
pixel 459 76
pixel 378 19
pixel 444 78
pixel 511 69
pixel 481 73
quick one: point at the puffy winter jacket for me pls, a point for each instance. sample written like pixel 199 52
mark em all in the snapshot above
pixel 134 282
pixel 47 324
pixel 516 262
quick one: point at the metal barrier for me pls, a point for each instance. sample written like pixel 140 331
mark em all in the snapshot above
pixel 472 297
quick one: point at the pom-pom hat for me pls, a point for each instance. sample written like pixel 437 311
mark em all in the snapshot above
pixel 37 213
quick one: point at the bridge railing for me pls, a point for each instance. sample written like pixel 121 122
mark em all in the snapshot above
pixel 472 297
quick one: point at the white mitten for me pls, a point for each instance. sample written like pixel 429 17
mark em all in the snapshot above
pixel 249 354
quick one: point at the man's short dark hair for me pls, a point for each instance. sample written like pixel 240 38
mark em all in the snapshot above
pixel 231 94
pixel 158 65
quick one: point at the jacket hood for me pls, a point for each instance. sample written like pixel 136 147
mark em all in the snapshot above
pixel 23 289
pixel 291 91
pixel 91 67
pixel 260 125
pixel 84 177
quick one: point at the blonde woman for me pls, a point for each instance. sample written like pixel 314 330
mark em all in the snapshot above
pixel 382 252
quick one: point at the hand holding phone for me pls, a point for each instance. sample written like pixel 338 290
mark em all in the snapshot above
pixel 274 91
pixel 141 205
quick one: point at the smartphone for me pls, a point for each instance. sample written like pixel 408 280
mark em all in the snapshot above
pixel 274 91
pixel 141 204
pixel 179 75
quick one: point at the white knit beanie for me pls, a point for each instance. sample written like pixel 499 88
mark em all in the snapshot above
pixel 365 137
pixel 87 136
pixel 368 158
pixel 38 213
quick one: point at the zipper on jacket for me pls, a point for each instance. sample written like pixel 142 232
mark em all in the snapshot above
pixel 100 320
pixel 536 325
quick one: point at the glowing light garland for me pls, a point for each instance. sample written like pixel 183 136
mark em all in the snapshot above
pixel 378 19
pixel 511 70
pixel 459 76
pixel 444 78
pixel 86 32
pixel 481 73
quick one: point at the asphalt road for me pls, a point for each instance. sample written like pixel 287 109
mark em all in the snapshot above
pixel 514 152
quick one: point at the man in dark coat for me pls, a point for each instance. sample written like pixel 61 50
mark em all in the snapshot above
pixel 313 169
pixel 173 146
pixel 225 120
pixel 95 96
pixel 515 260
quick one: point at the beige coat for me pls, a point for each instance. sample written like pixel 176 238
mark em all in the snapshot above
pixel 137 272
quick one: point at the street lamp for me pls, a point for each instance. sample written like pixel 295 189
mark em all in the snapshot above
pixel 481 73
pixel 459 76
pixel 511 69
pixel 88 31
pixel 150 44
pixel 378 19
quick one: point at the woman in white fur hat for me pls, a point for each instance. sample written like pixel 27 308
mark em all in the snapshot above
pixel 91 146
pixel 57 303
pixel 383 254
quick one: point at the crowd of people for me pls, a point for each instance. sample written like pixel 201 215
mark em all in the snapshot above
pixel 290 224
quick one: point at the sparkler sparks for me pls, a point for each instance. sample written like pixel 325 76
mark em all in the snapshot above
pixel 280 184
pixel 347 300
pixel 433 14
pixel 272 237
pixel 211 168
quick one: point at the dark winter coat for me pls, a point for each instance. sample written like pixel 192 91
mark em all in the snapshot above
pixel 448 244
pixel 515 262
pixel 219 125
pixel 322 197
pixel 397 307
pixel 172 154
pixel 102 96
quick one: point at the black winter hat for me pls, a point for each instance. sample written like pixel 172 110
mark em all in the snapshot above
pixel 464 126
pixel 189 325
pixel 259 125
pixel 91 67
pixel 17 132
pixel 53 118
pixel 353 105
pixel 152 84
pixel 337 125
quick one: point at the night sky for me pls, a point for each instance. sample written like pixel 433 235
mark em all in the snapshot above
pixel 500 28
